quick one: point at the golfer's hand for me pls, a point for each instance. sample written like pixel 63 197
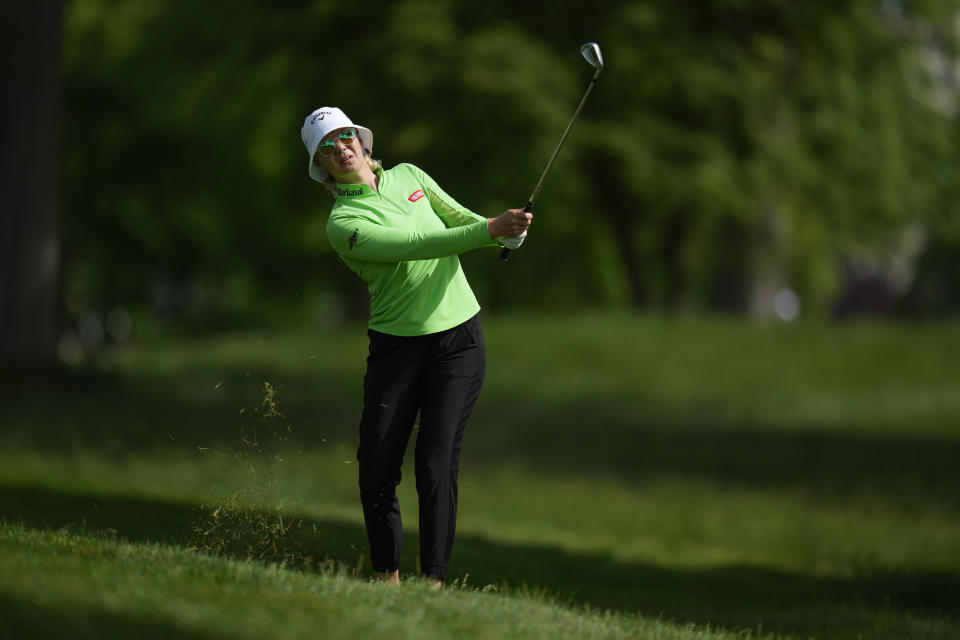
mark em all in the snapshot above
pixel 509 224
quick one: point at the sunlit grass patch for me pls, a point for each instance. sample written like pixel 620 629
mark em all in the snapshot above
pixel 100 587
pixel 799 479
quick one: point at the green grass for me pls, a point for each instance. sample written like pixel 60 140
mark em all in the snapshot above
pixel 695 478
pixel 83 585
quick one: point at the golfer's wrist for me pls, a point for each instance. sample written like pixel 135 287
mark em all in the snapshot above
pixel 492 228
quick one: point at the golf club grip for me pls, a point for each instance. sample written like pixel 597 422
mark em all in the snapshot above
pixel 505 254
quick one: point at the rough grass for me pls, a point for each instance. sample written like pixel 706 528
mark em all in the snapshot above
pixel 695 477
pixel 88 586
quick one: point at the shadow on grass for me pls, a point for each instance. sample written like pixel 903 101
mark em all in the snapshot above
pixel 632 438
pixel 732 597
pixel 22 619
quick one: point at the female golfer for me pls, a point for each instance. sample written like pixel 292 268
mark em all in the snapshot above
pixel 402 234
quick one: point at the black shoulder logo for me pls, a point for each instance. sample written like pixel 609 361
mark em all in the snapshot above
pixel 353 239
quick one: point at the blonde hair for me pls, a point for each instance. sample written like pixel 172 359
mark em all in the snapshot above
pixel 331 184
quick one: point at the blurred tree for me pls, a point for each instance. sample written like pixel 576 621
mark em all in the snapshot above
pixel 30 182
pixel 729 150
pixel 755 143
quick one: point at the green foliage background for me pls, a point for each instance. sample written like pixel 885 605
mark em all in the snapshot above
pixel 731 147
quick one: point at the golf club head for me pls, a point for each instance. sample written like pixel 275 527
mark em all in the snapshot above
pixel 591 51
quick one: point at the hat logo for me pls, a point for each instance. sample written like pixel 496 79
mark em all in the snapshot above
pixel 416 195
pixel 320 115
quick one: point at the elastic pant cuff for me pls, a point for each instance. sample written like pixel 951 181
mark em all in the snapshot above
pixel 439 573
pixel 390 570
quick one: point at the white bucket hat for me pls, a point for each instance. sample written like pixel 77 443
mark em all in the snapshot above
pixel 320 123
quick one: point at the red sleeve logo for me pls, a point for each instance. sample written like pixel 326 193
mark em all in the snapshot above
pixel 416 195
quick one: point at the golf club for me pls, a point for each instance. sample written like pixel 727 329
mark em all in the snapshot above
pixel 590 51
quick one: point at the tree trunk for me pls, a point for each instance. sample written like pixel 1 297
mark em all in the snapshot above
pixel 767 269
pixel 30 181
pixel 674 241
pixel 621 211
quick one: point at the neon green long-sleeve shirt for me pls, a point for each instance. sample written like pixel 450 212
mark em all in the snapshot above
pixel 403 239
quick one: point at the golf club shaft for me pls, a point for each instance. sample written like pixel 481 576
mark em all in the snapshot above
pixel 504 255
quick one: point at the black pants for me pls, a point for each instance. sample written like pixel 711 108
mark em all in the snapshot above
pixel 439 376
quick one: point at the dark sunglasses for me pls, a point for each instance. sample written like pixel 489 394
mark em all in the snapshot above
pixel 347 136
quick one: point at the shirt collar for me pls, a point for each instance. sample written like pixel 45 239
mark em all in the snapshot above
pixel 359 190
